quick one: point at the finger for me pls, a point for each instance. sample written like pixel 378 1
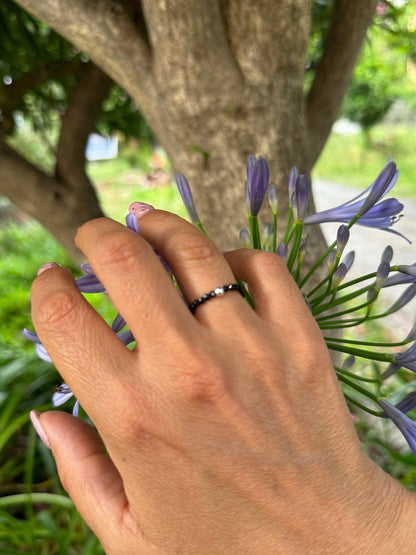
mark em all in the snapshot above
pixel 81 344
pixel 91 480
pixel 276 296
pixel 198 265
pixel 138 284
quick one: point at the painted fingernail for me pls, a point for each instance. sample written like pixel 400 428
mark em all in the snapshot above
pixel 34 417
pixel 139 209
pixel 47 266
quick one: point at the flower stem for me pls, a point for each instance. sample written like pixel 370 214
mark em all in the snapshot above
pixel 254 231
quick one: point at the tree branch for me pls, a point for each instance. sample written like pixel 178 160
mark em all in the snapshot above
pixel 45 198
pixel 84 108
pixel 111 32
pixel 350 20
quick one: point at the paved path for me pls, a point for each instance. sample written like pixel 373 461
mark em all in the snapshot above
pixel 369 243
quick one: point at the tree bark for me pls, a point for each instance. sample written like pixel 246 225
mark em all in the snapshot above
pixel 59 208
pixel 218 81
pixel 66 200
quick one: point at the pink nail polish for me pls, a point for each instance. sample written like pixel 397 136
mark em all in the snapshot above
pixel 139 209
pixel 34 417
pixel 47 266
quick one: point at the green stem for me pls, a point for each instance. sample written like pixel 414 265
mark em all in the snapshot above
pixel 357 387
pixel 274 231
pixel 50 498
pixel 368 343
pixel 295 247
pixel 288 221
pixel 361 352
pixel 355 376
pixel 361 406
pixel 247 295
pixel 254 231
pixel 344 299
pixel 201 227
pixel 317 264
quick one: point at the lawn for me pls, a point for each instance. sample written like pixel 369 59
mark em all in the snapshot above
pixel 351 160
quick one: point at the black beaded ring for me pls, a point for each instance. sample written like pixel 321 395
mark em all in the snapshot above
pixel 218 291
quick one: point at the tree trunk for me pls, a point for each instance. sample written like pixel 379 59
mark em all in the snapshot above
pixel 218 81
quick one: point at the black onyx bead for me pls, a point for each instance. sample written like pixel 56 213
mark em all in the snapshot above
pixel 213 294
pixel 205 297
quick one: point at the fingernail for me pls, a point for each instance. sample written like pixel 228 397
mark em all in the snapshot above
pixel 47 266
pixel 34 417
pixel 139 209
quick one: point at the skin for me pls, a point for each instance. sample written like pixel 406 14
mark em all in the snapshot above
pixel 223 432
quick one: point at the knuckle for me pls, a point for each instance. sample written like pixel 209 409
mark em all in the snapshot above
pixel 118 249
pixel 267 264
pixel 190 248
pixel 59 307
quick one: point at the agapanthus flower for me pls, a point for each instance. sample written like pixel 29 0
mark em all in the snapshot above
pixel 63 394
pixel 343 235
pixel 403 422
pixel 257 183
pixel 381 215
pixel 406 359
pixel 187 198
pixel 273 197
pixel 301 196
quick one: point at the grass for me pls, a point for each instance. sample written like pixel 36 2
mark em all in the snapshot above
pixel 351 160
pixel 36 516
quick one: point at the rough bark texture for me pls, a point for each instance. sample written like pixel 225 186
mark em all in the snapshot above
pixel 219 80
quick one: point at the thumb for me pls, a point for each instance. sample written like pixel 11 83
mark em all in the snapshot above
pixel 92 481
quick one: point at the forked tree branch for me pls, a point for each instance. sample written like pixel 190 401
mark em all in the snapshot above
pixel 84 108
pixel 350 21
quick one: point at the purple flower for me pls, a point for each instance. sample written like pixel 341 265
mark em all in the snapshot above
pixel 403 422
pixel 293 175
pixel 185 192
pixel 372 213
pixel 404 298
pixel 245 238
pixel 407 359
pixel 301 197
pixel 62 395
pixel 343 234
pixel 282 251
pixel 257 182
pixel 382 273
pixel 273 197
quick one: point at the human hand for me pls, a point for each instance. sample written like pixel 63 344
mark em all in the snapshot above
pixel 226 430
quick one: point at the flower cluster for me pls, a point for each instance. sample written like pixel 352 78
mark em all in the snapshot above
pixel 336 302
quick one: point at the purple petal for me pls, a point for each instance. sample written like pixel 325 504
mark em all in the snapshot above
pixel 404 298
pixel 89 284
pixel 118 323
pixel 185 192
pixel 383 184
pixel 408 403
pixel 303 194
pixel 42 352
pixel 258 181
pixel 126 337
pixel 131 222
pixel 61 395
pixel 403 422
pixel 87 269
pixel 32 336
